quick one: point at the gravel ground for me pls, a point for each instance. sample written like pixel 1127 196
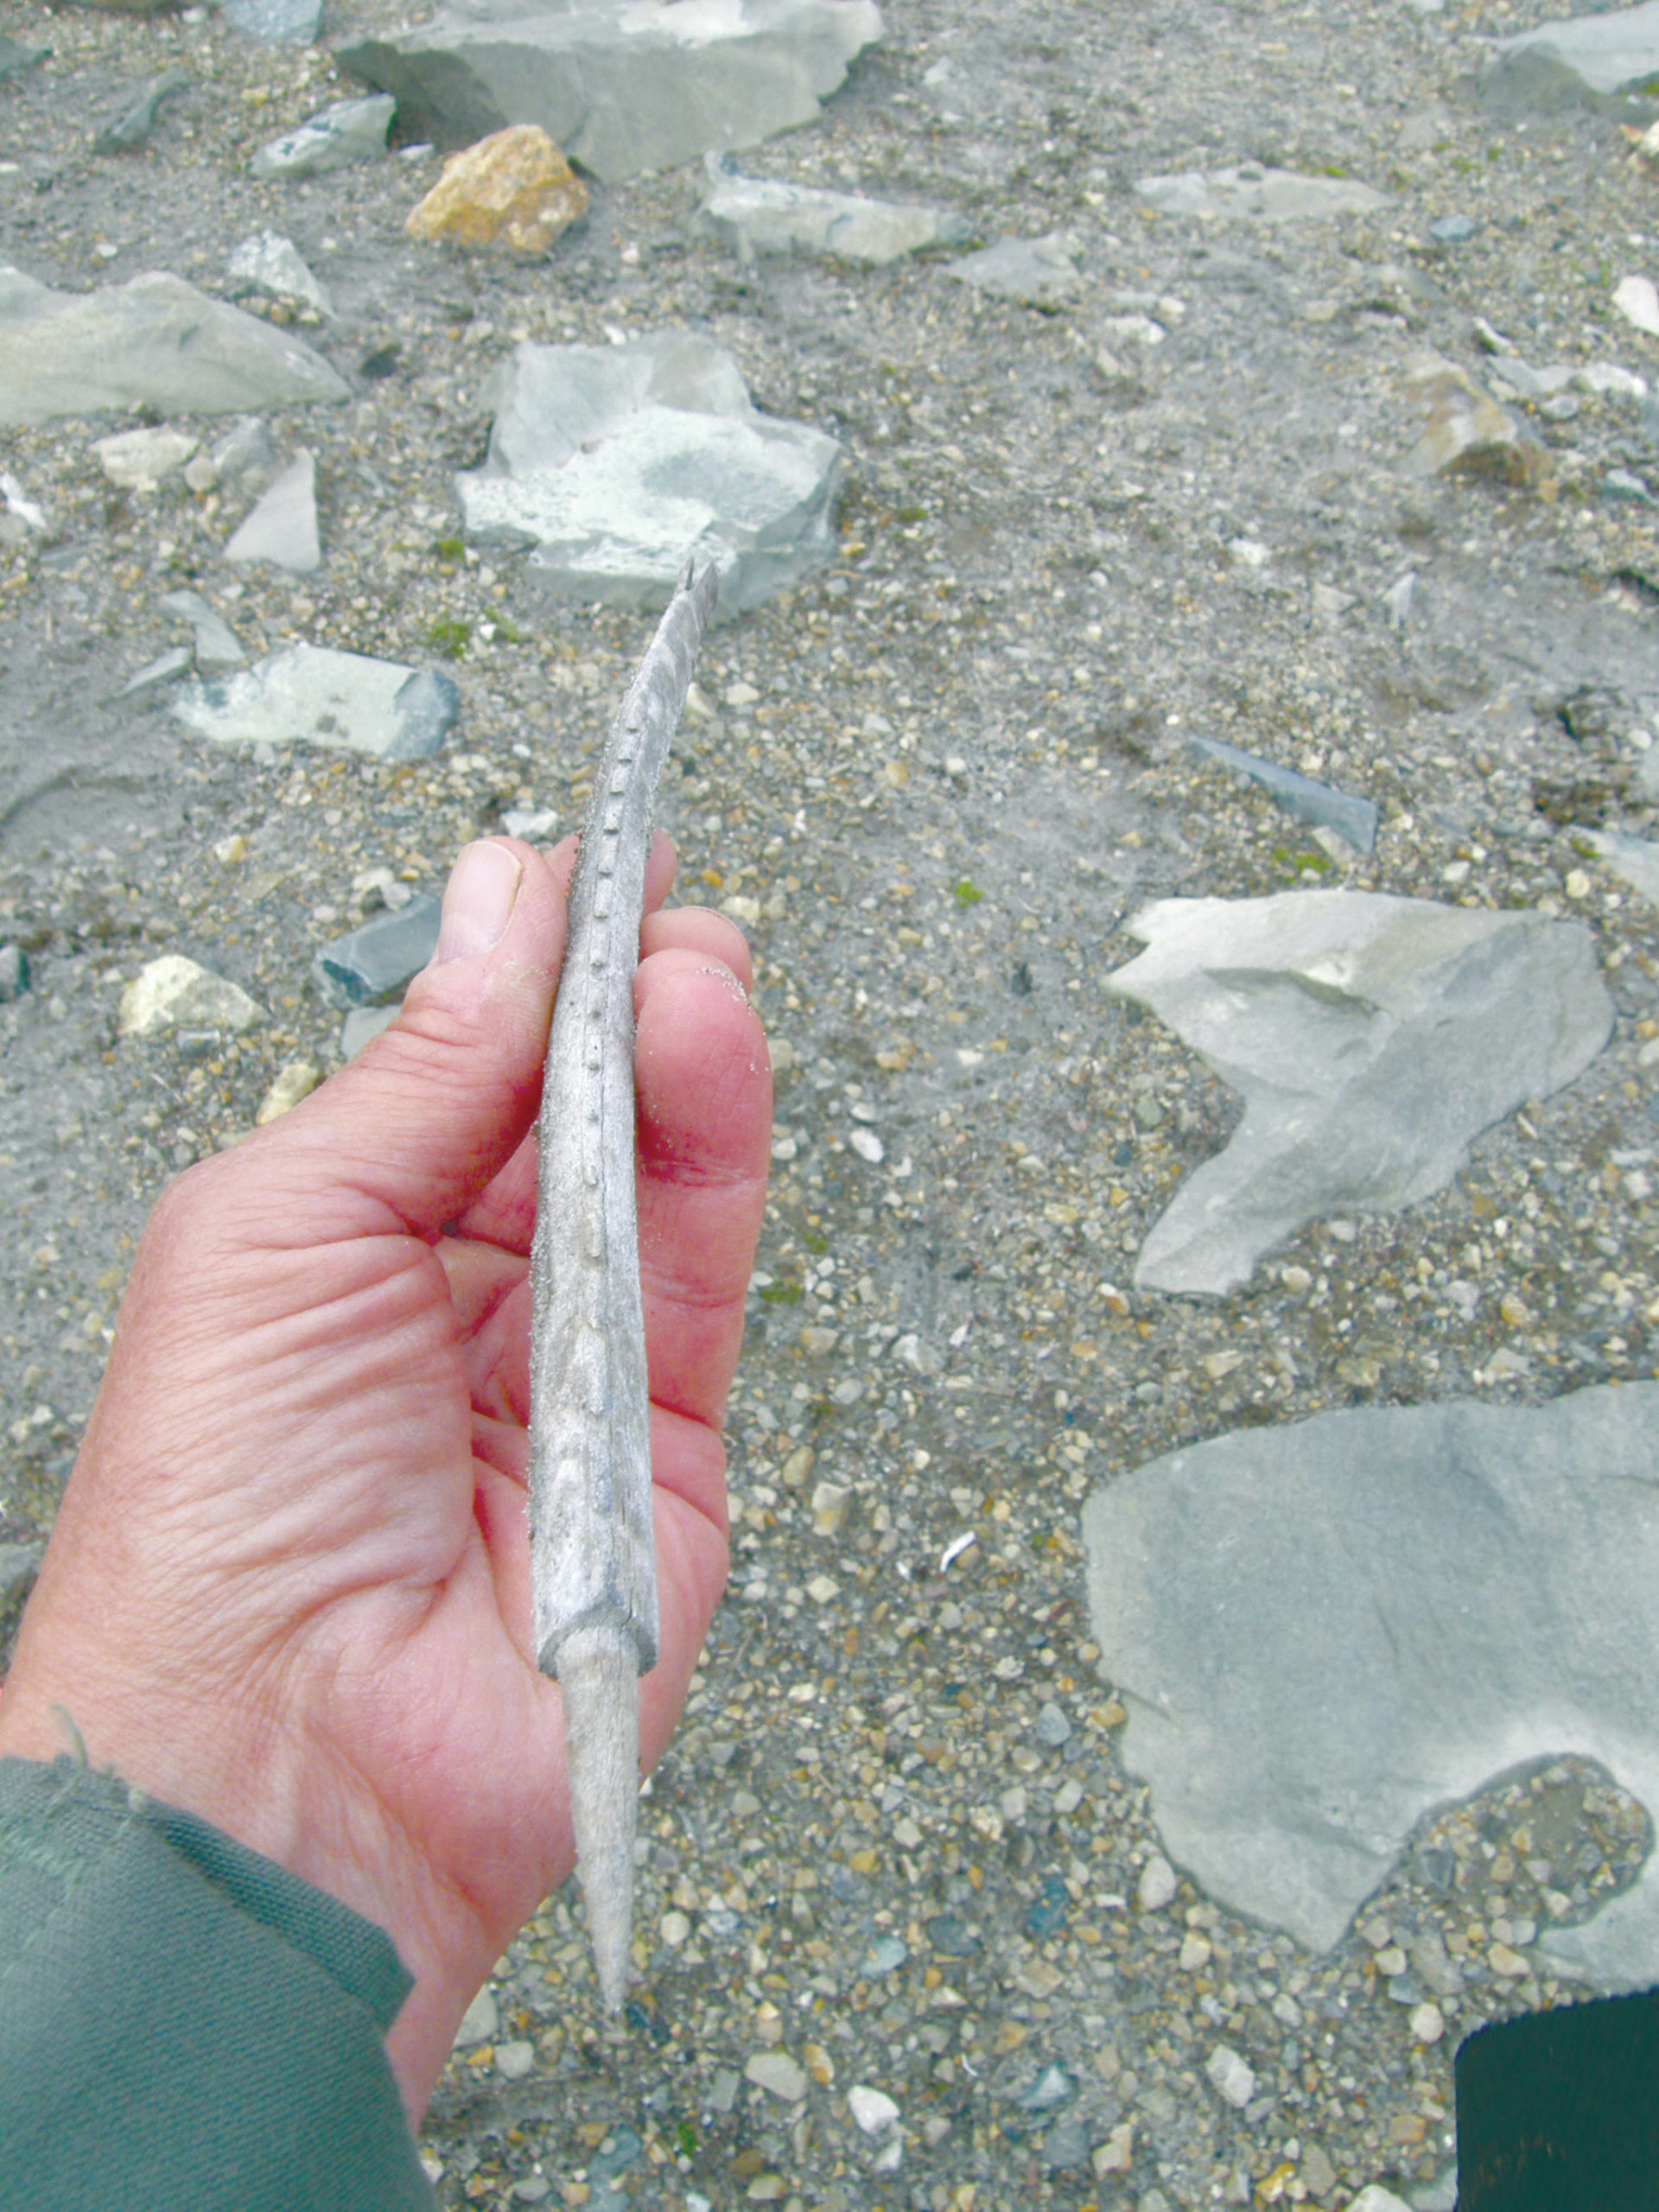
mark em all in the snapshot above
pixel 892 1847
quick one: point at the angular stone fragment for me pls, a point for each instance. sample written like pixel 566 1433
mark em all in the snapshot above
pixel 374 964
pixel 1636 299
pixel 762 215
pixel 1373 1039
pixel 363 1024
pixel 345 132
pixel 131 128
pixel 1634 859
pixel 270 263
pixel 1555 65
pixel 1468 433
pixel 160 670
pixel 1251 192
pixel 242 455
pixel 139 458
pixel 1031 272
pixel 623 85
pixel 217 648
pixel 1324 1630
pixel 514 188
pixel 175 993
pixel 294 1080
pixel 1353 819
pixel 777 2071
pixel 14 973
pixel 620 463
pixel 283 527
pixel 276 23
pixel 154 342
pixel 345 703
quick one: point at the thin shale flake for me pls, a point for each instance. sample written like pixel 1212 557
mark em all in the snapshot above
pixel 593 1557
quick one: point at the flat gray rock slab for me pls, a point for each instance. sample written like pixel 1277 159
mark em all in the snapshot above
pixel 1326 1631
pixel 620 463
pixel 1031 272
pixel 269 263
pixel 347 131
pixel 1372 1038
pixel 311 694
pixel 1615 52
pixel 154 342
pixel 1253 193
pixel 620 85
pixel 1354 819
pixel 283 527
pixel 276 23
pixel 1634 859
pixel 762 215
pixel 375 964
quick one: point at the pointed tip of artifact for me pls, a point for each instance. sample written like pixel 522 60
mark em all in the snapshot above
pixel 599 1674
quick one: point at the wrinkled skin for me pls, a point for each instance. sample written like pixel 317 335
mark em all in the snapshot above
pixel 289 1588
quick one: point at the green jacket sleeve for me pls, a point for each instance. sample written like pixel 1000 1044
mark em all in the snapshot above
pixel 185 2026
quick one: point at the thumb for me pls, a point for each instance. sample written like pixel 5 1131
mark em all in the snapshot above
pixel 414 1128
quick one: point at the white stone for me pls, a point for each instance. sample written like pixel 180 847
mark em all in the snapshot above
pixel 620 85
pixel 345 703
pixel 294 1080
pixel 1231 2076
pixel 763 215
pixel 620 463
pixel 154 342
pixel 1375 2198
pixel 479 2022
pixel 1635 860
pixel 1427 2023
pixel 873 2110
pixel 1637 300
pixel 217 647
pixel 515 2061
pixel 1033 272
pixel 347 131
pixel 177 993
pixel 1373 1039
pixel 140 459
pixel 777 2071
pixel 1304 1685
pixel 1157 1885
pixel 867 1146
pixel 1261 195
pixel 270 263
pixel 1615 52
pixel 283 527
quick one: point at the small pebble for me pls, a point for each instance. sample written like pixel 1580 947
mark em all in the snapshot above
pixel 1157 1885
pixel 873 2109
pixel 777 2071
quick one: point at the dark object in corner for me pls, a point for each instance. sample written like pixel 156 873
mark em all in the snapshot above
pixel 1559 2111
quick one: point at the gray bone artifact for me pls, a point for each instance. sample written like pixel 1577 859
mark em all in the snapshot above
pixel 593 1554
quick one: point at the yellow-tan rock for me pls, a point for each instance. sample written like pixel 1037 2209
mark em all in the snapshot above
pixel 514 188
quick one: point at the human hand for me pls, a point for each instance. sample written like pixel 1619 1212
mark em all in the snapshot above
pixel 288 1589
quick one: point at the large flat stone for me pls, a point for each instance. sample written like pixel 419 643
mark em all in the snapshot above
pixel 1324 1632
pixel 154 342
pixel 765 215
pixel 1614 52
pixel 1373 1039
pixel 620 463
pixel 622 86
pixel 311 694
pixel 1251 193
